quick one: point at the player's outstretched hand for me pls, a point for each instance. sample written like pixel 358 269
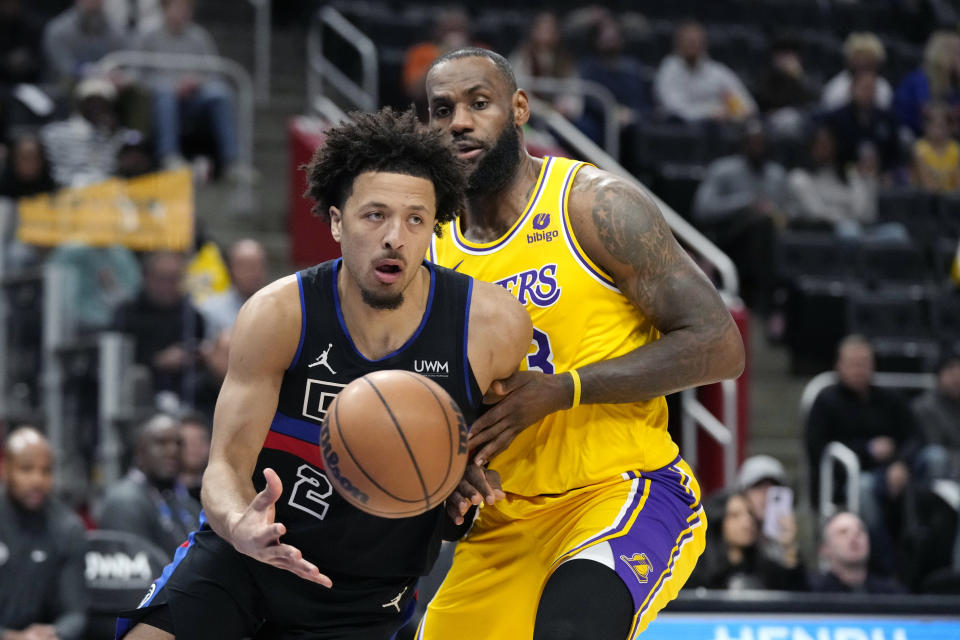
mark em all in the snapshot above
pixel 479 484
pixel 522 399
pixel 256 534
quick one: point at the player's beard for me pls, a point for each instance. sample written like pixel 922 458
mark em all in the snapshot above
pixel 381 302
pixel 497 167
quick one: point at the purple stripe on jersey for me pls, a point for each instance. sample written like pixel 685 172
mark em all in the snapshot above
pixel 299 429
pixel 466 357
pixel 465 247
pixel 582 259
pixel 411 340
pixel 303 324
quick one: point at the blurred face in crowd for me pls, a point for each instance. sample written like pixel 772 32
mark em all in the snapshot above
pixel 822 149
pixel 545 32
pixel 609 38
pixel 473 103
pixel 855 366
pixel 845 541
pixel 163 279
pixel 9 9
pixel 89 6
pixel 453 30
pixel 177 14
pixel 936 124
pixel 195 446
pixel 691 43
pixel 28 469
pixel 739 525
pixel 248 267
pixel 158 451
pixel 757 497
pixel 863 90
pixel 99 111
pixel 863 60
pixel 27 160
pixel 755 145
pixel 949 379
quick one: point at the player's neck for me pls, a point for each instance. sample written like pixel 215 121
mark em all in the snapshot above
pixel 379 332
pixel 488 216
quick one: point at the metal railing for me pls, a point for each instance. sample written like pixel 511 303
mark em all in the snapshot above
pixel 261 51
pixel 320 69
pixel 695 414
pixel 225 67
pixel 585 89
pixel 836 451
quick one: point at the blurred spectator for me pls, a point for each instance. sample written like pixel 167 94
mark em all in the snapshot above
pixel 27 172
pixel 168 333
pixel 150 501
pixel 79 37
pixel 451 31
pixel 195 451
pixel 845 550
pixel 824 194
pixel 690 86
pixel 733 559
pixel 938 80
pixel 878 426
pixel 777 523
pixel 620 73
pixel 861 122
pixel 104 278
pixel 135 156
pixel 862 51
pixel 247 262
pixel 542 55
pixel 784 84
pixel 134 16
pixel 43 593
pixel 938 416
pixel 21 53
pixel 83 148
pixel 936 156
pixel 739 204
pixel 189 101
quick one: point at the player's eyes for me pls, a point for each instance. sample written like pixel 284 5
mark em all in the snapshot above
pixel 375 215
pixel 416 220
pixel 441 112
pixel 481 104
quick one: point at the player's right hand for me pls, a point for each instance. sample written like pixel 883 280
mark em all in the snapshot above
pixel 254 533
pixel 478 484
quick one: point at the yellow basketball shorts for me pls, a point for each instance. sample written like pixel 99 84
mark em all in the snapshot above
pixel 649 524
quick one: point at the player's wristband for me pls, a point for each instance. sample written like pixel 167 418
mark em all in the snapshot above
pixel 576 387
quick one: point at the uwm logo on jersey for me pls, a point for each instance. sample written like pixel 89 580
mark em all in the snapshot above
pixel 432 368
pixel 317 398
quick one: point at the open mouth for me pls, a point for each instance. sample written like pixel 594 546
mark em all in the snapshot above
pixel 388 271
pixel 468 150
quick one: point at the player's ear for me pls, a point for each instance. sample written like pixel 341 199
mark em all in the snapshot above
pixel 521 107
pixel 336 219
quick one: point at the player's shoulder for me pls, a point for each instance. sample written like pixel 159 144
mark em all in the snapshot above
pixel 279 296
pixel 499 309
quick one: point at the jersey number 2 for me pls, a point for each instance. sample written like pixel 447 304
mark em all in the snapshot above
pixel 542 358
pixel 309 492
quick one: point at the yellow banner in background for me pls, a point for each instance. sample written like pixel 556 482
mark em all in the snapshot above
pixel 148 213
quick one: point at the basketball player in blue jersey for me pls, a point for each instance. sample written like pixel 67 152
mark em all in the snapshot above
pixel 601 523
pixel 279 554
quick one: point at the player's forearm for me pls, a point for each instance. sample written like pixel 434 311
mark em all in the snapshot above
pixel 678 360
pixel 225 494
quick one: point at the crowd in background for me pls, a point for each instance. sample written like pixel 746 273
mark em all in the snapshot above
pixel 766 144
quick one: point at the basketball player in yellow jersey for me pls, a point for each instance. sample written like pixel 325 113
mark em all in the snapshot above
pixel 601 522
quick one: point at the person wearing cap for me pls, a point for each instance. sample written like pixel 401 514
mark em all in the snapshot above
pixel 83 148
pixel 862 51
pixel 756 476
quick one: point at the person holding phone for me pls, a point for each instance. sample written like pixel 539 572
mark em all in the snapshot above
pixel 762 479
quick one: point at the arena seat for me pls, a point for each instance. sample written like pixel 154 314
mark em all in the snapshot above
pixel 120 567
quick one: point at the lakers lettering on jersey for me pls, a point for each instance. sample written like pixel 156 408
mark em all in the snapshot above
pixel 579 317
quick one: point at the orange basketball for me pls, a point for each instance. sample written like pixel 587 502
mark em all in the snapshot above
pixel 394 443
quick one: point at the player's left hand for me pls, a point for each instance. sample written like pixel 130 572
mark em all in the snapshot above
pixel 522 399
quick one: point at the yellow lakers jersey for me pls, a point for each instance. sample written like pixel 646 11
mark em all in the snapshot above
pixel 579 317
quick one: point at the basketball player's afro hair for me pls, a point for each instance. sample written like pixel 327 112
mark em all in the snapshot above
pixel 389 141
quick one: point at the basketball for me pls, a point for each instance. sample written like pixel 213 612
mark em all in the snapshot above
pixel 394 443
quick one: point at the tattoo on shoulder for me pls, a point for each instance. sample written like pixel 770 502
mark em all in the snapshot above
pixel 627 225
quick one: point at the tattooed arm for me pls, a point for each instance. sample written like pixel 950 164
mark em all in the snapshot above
pixel 624 233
